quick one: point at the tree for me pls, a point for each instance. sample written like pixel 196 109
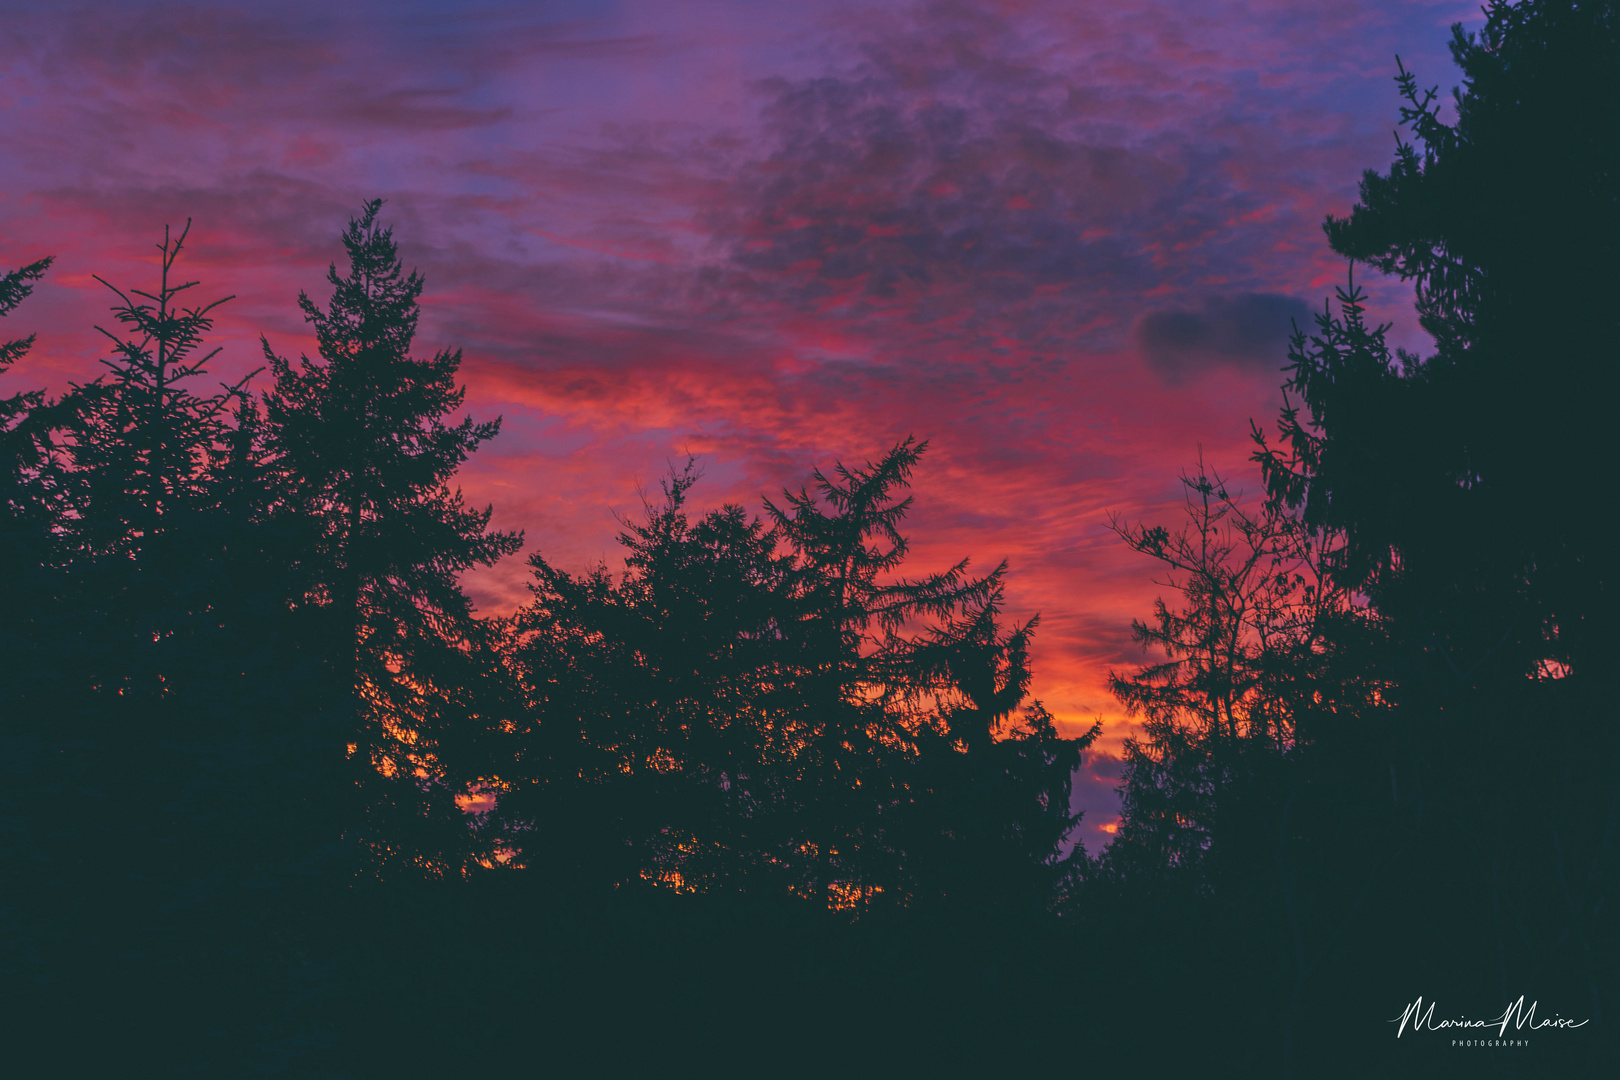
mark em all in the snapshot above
pixel 146 442
pixel 1263 742
pixel 30 633
pixel 1505 223
pixel 649 748
pixel 29 490
pixel 163 815
pixel 362 438
pixel 142 546
pixel 991 820
pixel 852 657
pixel 762 705
pixel 1478 726
pixel 15 287
pixel 1462 482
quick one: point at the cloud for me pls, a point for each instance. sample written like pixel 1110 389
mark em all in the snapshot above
pixel 776 236
pixel 948 186
pixel 1246 330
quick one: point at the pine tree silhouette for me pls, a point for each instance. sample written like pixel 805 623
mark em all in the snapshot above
pixel 361 435
pixel 30 489
pixel 760 705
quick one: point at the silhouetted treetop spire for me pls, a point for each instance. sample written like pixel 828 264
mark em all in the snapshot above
pixel 15 287
pixel 361 435
pixel 150 427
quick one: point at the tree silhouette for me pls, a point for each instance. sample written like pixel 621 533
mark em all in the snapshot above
pixel 852 655
pixel 648 746
pixel 362 438
pixel 246 709
pixel 15 287
pixel 991 789
pixel 1252 784
pixel 240 668
pixel 1439 469
pixel 168 804
pixel 766 704
pixel 33 626
pixel 1504 222
pixel 1425 724
pixel 30 488
pixel 146 443
pixel 142 548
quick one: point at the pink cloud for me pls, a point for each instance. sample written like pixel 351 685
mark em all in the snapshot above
pixel 774 239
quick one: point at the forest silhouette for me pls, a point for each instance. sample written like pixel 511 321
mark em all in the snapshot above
pixel 278 801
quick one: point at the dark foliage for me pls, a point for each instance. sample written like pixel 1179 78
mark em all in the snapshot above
pixel 751 708
pixel 1444 470
pixel 249 715
pixel 162 806
pixel 277 800
pixel 1379 755
pixel 360 443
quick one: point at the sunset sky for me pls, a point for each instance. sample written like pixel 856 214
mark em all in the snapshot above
pixel 1060 240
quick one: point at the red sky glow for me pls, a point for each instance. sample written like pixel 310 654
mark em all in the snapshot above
pixel 1062 241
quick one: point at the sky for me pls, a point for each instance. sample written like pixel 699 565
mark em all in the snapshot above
pixel 1062 240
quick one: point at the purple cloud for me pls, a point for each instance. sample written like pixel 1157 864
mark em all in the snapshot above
pixel 771 235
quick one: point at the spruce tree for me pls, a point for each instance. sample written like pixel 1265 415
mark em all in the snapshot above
pixel 647 748
pixel 29 500
pixel 1461 481
pixel 769 706
pixel 361 434
pixel 166 819
pixel 990 825
pixel 846 639
pixel 1504 222
pixel 142 569
pixel 32 630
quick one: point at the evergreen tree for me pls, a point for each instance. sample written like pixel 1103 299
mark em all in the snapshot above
pixel 752 707
pixel 142 572
pixel 166 818
pixel 1477 726
pixel 991 789
pixel 362 438
pixel 1255 789
pixel 1505 223
pixel 15 287
pixel 31 629
pixel 648 743
pixel 1461 483
pixel 851 655
pixel 146 443
pixel 29 490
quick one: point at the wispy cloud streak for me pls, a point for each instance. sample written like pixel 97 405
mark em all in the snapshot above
pixel 1063 241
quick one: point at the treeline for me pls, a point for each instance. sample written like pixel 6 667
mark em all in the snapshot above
pixel 1380 757
pixel 277 800
pixel 241 672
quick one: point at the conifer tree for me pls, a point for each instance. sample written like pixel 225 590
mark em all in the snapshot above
pixel 15 287
pixel 847 642
pixel 1461 483
pixel 28 494
pixel 767 705
pixel 1504 222
pixel 149 438
pixel 32 629
pixel 992 780
pixel 361 434
pixel 1259 790
pixel 648 745
pixel 168 801
pixel 142 577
